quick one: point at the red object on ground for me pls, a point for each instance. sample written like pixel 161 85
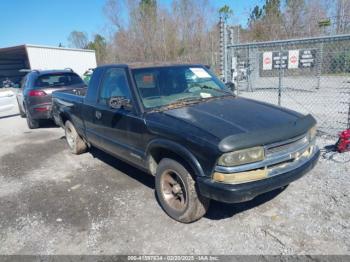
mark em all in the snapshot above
pixel 343 143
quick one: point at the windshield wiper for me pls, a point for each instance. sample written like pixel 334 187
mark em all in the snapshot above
pixel 179 103
pixel 187 101
pixel 216 89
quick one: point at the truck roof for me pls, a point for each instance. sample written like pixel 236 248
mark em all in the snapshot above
pixel 139 65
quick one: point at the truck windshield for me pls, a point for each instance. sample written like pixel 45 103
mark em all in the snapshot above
pixel 164 86
pixel 57 80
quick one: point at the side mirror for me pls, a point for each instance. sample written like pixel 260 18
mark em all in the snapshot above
pixel 230 86
pixel 118 102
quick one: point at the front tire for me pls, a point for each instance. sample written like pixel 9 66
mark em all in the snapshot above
pixel 177 193
pixel 76 144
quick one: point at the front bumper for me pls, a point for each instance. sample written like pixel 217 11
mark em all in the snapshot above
pixel 235 193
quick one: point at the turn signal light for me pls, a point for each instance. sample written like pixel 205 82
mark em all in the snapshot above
pixel 242 177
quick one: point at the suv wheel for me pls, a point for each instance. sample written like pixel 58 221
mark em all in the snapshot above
pixel 21 112
pixel 177 194
pixel 76 144
pixel 32 123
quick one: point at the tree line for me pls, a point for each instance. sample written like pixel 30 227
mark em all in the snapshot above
pixel 188 30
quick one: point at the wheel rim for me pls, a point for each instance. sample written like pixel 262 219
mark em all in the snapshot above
pixel 173 190
pixel 70 137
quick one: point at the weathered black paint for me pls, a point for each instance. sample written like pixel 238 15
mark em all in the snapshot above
pixel 198 133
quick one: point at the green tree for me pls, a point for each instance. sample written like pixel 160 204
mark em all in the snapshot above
pixel 226 12
pixel 100 46
pixel 255 15
pixel 266 23
pixel 272 7
pixel 148 8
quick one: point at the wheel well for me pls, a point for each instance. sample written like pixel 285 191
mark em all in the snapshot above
pixel 157 154
pixel 64 118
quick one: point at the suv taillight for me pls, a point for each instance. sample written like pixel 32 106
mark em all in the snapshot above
pixel 36 93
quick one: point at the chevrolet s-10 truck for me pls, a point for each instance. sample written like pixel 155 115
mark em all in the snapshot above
pixel 181 124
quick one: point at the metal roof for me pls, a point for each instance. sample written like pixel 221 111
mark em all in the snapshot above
pixel 24 46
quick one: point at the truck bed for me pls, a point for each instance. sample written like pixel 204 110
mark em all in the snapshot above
pixel 77 91
pixel 72 95
pixel 69 103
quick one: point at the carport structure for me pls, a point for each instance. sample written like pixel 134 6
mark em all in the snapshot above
pixel 31 57
pixel 12 60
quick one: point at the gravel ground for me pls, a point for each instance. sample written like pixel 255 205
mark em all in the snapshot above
pixel 55 203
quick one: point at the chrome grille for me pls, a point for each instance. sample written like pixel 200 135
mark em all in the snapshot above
pixel 289 145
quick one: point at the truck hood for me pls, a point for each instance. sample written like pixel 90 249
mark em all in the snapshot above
pixel 233 119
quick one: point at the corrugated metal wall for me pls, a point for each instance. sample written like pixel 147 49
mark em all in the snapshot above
pixel 60 58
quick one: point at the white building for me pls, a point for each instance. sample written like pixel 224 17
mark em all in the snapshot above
pixel 16 58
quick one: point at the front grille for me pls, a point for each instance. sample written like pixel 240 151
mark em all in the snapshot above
pixel 287 146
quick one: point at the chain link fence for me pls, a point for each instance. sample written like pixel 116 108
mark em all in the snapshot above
pixel 311 76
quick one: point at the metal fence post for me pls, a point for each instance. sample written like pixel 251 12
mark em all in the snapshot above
pixel 280 76
pixel 319 68
pixel 225 52
pixel 222 51
pixel 247 66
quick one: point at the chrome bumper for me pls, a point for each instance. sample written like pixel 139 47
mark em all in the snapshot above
pixel 280 158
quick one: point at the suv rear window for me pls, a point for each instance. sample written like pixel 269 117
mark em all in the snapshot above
pixel 57 80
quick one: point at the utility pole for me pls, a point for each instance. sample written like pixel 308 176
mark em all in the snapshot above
pixel 222 48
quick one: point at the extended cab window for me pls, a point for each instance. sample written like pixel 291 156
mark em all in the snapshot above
pixel 114 84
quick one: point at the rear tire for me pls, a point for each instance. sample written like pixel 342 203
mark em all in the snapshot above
pixel 32 123
pixel 76 144
pixel 177 193
pixel 21 112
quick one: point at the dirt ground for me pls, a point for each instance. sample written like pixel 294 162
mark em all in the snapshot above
pixel 53 202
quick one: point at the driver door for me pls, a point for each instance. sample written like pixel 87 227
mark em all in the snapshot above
pixel 114 124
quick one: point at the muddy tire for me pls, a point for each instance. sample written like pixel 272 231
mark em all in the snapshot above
pixel 76 144
pixel 32 123
pixel 177 193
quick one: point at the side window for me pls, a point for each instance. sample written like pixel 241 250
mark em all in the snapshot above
pixel 114 84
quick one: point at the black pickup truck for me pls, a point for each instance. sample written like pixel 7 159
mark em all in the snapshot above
pixel 185 127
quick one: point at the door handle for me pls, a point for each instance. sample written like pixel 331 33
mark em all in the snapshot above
pixel 98 115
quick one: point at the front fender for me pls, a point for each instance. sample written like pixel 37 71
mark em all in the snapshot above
pixel 178 149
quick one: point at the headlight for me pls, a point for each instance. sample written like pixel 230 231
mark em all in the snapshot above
pixel 312 133
pixel 241 157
